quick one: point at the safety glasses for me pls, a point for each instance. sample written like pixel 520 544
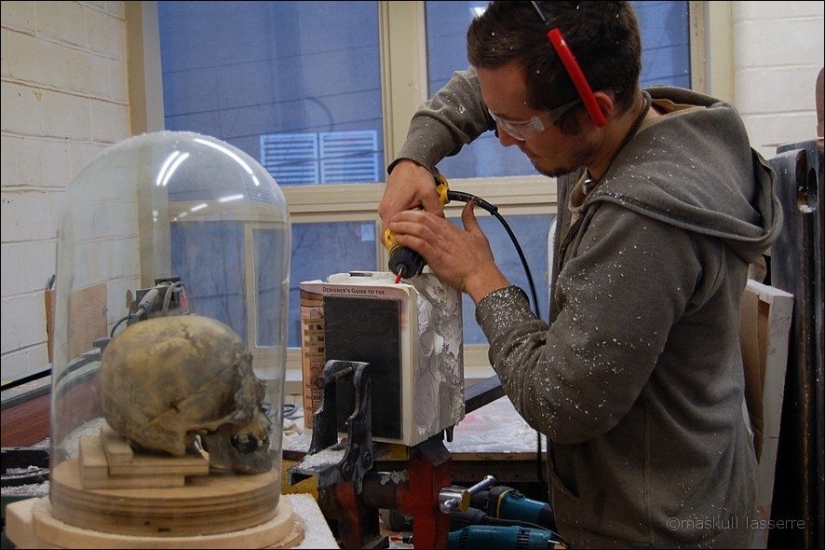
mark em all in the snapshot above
pixel 523 129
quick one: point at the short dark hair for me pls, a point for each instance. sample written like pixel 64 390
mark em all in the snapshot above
pixel 603 36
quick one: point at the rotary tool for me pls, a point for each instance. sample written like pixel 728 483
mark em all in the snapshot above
pixel 406 262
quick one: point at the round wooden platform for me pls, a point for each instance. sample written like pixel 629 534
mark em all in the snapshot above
pixel 207 505
pixel 284 530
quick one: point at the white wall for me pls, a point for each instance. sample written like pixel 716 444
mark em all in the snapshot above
pixel 777 54
pixel 64 99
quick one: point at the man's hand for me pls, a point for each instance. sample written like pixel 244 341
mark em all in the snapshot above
pixel 409 186
pixel 462 258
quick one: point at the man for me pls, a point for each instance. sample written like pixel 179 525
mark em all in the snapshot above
pixel 638 380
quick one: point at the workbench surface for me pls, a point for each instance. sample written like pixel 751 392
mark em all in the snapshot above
pixel 494 429
pixel 492 432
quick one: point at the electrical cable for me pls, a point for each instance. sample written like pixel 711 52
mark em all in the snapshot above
pixel 25 379
pixel 146 304
pixel 175 288
pixel 492 209
pixel 467 197
pixel 112 333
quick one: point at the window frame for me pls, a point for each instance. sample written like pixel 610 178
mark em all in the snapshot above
pixel 402 37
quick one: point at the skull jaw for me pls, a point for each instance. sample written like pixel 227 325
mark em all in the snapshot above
pixel 225 457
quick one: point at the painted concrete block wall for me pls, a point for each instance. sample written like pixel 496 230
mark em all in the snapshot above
pixel 64 100
pixel 778 51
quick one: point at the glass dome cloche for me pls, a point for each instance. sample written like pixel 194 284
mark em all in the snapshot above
pixel 170 346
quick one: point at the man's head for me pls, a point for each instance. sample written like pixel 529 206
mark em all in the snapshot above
pixel 603 37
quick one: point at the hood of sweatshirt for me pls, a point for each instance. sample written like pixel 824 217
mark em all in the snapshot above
pixel 695 169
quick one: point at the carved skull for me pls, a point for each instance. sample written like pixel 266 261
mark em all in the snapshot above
pixel 166 380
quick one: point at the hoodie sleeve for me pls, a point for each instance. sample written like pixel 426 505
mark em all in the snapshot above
pixel 574 380
pixel 442 125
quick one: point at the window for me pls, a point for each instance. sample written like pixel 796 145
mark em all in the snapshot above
pixel 315 92
pixel 292 85
pixel 326 157
pixel 292 76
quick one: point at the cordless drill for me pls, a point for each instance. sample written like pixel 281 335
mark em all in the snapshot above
pixel 406 262
pixel 504 518
pixel 507 503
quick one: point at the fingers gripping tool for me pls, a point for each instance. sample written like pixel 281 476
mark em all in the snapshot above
pixel 406 262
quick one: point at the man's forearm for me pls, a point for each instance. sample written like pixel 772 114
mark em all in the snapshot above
pixel 442 125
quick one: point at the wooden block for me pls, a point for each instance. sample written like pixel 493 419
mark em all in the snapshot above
pixel 117 449
pixel 93 463
pixel 123 462
pixel 49 296
pixel 87 317
pixel 767 314
pixel 94 470
pixel 20 525
pixel 750 341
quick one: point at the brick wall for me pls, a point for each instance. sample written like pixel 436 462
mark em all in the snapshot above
pixel 64 99
pixel 777 55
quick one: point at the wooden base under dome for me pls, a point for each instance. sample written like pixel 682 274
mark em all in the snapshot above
pixel 113 497
pixel 205 505
pixel 30 524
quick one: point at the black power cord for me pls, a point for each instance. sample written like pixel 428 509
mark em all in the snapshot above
pixel 158 298
pixel 492 209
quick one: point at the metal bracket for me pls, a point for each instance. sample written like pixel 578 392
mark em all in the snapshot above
pixel 358 454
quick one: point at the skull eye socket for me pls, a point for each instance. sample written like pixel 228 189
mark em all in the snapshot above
pixel 246 444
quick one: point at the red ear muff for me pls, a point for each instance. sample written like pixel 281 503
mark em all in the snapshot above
pixel 573 69
pixel 577 76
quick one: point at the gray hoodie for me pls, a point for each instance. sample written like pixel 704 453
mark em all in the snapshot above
pixel 638 381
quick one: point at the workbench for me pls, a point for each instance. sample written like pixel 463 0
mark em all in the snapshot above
pixel 495 440
pixel 491 440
